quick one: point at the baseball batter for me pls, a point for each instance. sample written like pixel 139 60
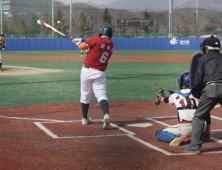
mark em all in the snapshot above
pixel 2 46
pixel 93 76
pixel 186 105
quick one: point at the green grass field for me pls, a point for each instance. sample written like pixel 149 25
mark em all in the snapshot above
pixel 115 53
pixel 126 81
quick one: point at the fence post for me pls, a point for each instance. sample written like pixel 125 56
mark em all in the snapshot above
pixel 46 20
pixel 195 29
pixel 219 23
pixel 22 26
pixel 120 25
pixel 1 16
pixel 53 35
pixel 96 24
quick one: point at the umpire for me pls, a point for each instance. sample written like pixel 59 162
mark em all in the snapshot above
pixel 208 82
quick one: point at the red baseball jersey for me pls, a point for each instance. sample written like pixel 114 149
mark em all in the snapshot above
pixel 99 54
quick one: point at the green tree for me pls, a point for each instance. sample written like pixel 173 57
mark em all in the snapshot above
pixel 5 27
pixel 208 28
pixel 62 26
pixel 83 22
pixel 35 28
pixel 16 25
pixel 146 15
pixel 107 19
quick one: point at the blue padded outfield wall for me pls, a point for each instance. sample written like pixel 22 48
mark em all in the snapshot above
pixel 119 44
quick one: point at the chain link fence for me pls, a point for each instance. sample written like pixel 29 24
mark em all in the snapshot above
pixel 86 22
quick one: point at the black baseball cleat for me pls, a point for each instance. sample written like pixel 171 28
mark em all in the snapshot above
pixel 1 69
pixel 193 149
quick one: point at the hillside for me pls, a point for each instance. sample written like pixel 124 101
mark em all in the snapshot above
pixel 151 5
pixel 204 4
pixel 158 5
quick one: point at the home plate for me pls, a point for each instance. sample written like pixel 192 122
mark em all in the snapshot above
pixel 140 125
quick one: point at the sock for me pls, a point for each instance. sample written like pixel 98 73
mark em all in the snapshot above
pixel 0 64
pixel 104 106
pixel 85 108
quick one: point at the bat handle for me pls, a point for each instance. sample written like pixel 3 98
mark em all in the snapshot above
pixel 69 38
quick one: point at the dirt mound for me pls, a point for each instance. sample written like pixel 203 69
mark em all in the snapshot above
pixel 16 70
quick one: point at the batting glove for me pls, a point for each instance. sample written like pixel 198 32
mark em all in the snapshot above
pixel 77 41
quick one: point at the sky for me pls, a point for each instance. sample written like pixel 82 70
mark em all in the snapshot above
pixel 95 1
pixel 106 1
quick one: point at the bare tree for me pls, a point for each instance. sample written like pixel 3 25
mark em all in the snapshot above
pixel 92 17
pixel 157 21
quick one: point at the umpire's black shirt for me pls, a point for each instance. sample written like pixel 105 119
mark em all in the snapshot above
pixel 209 68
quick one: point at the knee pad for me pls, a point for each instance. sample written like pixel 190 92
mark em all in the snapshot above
pixel 165 136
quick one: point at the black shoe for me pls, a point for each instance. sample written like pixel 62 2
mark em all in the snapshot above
pixel 1 69
pixel 193 149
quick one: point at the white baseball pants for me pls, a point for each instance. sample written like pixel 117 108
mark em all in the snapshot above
pixel 182 128
pixel 92 79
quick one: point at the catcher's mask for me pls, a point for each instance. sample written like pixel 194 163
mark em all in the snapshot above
pixel 106 30
pixel 183 80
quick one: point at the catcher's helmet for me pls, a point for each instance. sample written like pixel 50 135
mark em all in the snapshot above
pixel 212 43
pixel 106 30
pixel 2 34
pixel 183 80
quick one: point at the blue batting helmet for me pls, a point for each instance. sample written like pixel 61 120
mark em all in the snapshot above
pixel 183 80
pixel 106 30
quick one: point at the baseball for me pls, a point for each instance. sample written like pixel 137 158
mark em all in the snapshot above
pixel 58 22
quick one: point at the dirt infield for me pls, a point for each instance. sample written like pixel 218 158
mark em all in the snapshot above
pixel 51 137
pixel 15 70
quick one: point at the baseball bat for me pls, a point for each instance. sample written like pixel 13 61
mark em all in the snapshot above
pixel 49 27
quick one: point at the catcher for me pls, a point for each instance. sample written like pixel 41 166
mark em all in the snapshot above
pixel 2 46
pixel 186 105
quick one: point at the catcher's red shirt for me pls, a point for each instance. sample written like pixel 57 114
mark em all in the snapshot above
pixel 99 54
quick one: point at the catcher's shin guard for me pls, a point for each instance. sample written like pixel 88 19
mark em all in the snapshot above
pixel 165 136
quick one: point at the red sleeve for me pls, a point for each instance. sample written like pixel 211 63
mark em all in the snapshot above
pixel 91 42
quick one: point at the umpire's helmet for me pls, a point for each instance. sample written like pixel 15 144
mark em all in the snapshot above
pixel 183 80
pixel 212 43
pixel 106 30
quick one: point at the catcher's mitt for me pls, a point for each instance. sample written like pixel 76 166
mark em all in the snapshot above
pixel 159 95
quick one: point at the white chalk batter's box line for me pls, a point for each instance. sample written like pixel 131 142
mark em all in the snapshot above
pixel 54 136
pixel 128 133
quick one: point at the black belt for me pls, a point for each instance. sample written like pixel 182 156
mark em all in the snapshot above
pixel 90 67
pixel 217 81
pixel 86 66
pixel 187 107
